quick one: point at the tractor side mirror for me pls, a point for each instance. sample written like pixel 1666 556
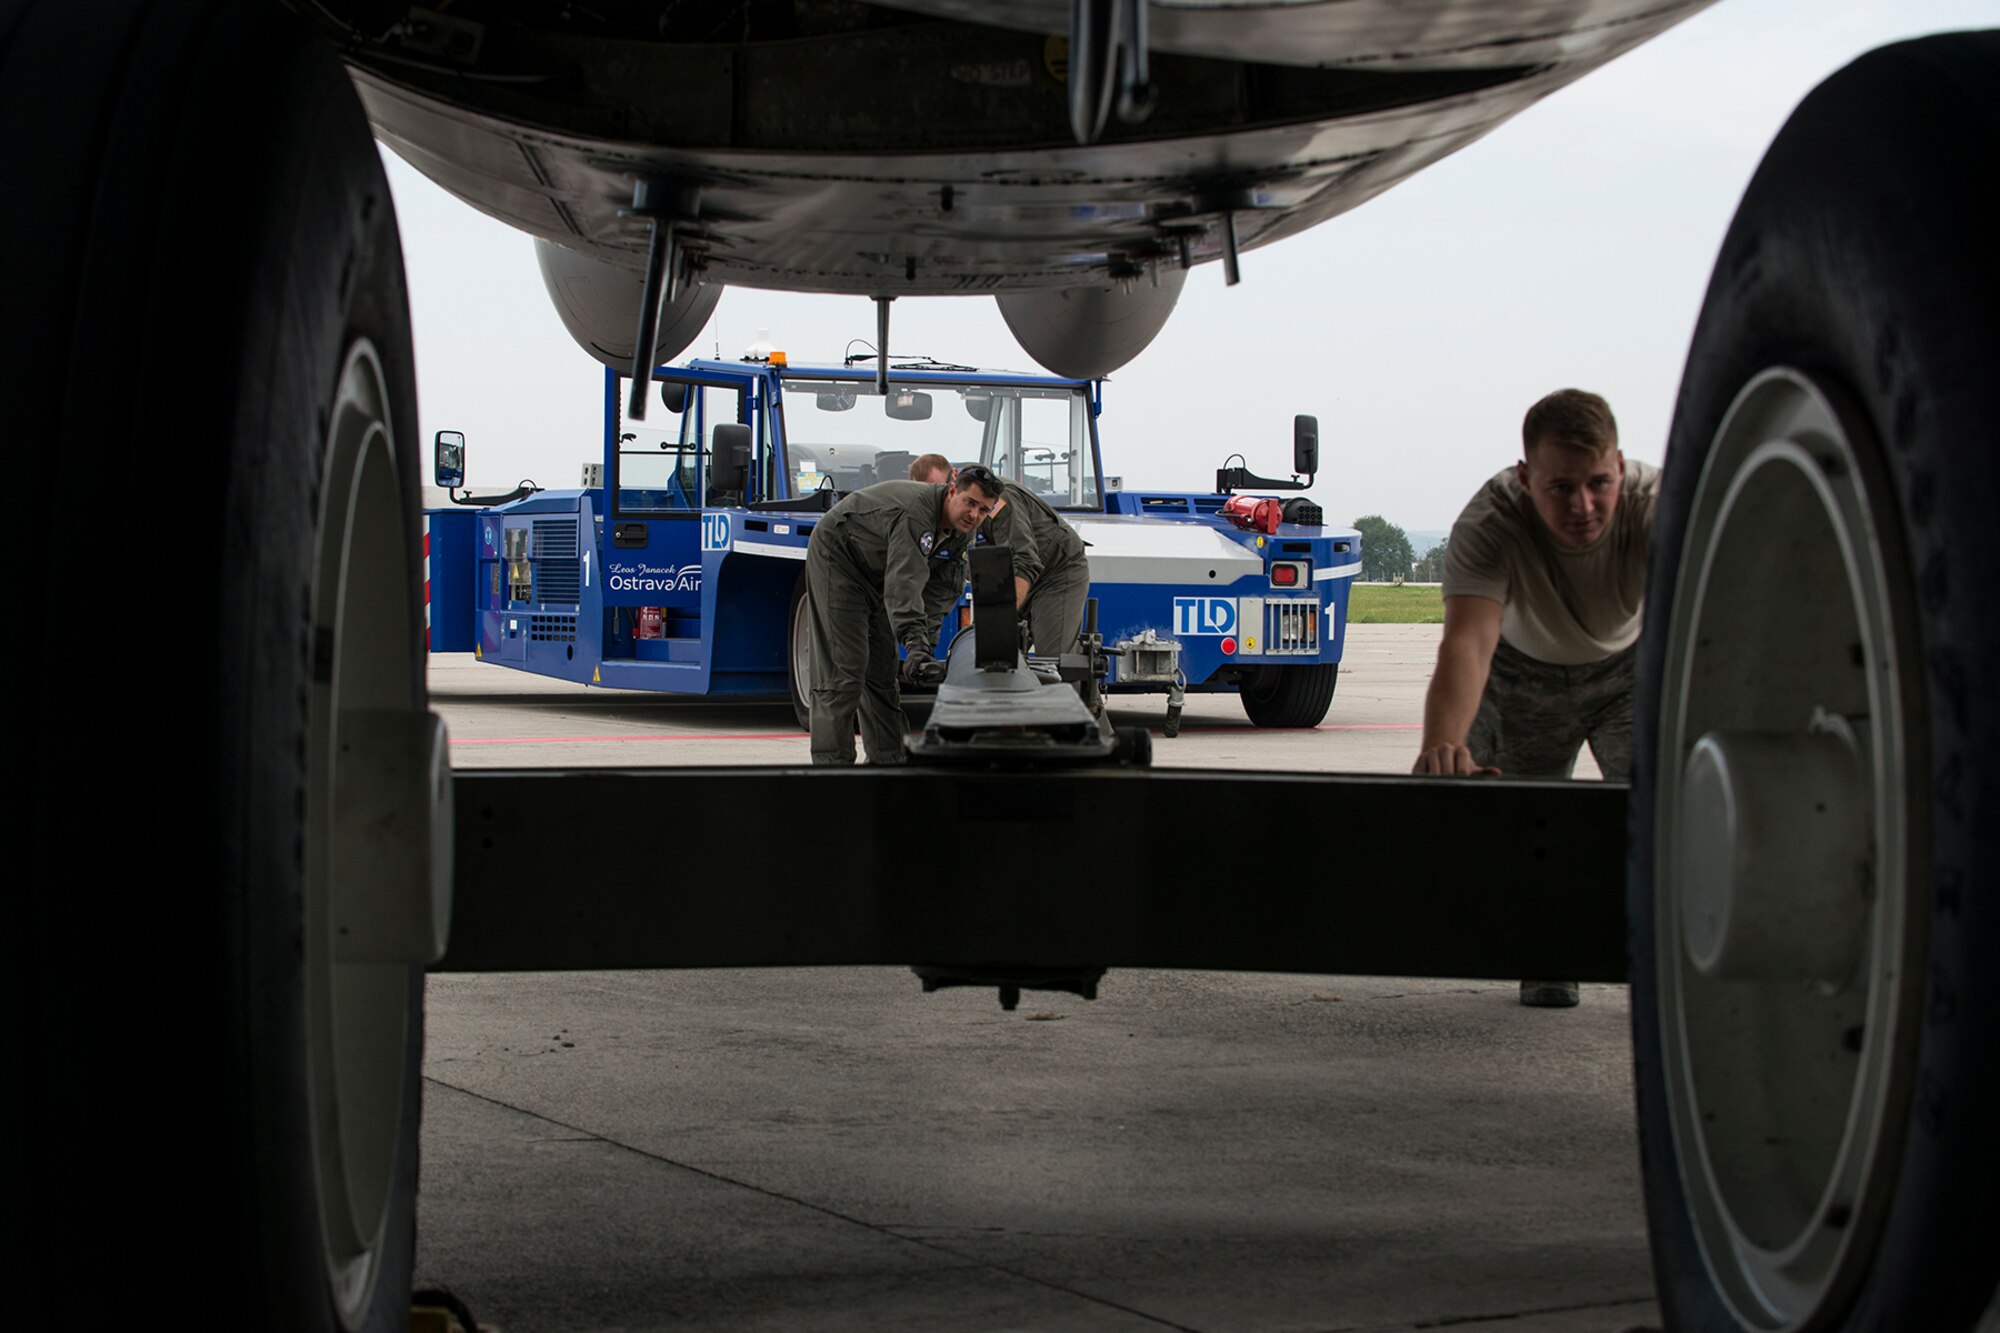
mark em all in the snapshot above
pixel 448 459
pixel 674 394
pixel 729 469
pixel 979 406
pixel 1305 445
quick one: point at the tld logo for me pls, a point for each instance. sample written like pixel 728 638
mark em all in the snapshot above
pixel 1204 615
pixel 715 532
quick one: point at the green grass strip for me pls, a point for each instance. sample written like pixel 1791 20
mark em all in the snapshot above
pixel 1390 604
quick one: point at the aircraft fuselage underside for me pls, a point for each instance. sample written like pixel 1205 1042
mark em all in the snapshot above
pixel 928 157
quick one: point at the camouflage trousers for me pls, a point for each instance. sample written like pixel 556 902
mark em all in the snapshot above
pixel 1535 715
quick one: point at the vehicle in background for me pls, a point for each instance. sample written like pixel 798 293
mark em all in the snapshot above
pixel 678 564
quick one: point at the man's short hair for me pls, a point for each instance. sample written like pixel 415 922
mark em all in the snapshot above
pixel 1571 419
pixel 926 464
pixel 972 474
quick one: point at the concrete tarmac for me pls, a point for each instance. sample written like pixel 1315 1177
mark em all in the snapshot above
pixel 830 1149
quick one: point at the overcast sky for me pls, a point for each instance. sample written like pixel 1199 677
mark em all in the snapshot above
pixel 1569 247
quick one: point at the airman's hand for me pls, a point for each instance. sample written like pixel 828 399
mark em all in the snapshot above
pixel 920 668
pixel 1452 761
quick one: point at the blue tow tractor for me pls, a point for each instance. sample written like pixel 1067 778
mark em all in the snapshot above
pixel 678 565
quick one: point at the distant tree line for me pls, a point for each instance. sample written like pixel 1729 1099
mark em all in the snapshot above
pixel 1387 557
pixel 1430 565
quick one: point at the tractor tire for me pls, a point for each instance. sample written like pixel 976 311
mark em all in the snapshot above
pixel 1813 908
pixel 219 1083
pixel 1290 696
pixel 798 655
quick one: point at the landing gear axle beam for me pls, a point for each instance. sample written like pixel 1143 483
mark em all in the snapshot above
pixel 1101 867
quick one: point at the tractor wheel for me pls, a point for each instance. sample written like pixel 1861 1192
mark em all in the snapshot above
pixel 239 825
pixel 1290 696
pixel 1813 906
pixel 798 655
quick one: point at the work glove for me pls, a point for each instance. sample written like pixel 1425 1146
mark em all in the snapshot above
pixel 919 667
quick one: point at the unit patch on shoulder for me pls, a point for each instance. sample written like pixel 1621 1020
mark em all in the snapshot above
pixel 927 541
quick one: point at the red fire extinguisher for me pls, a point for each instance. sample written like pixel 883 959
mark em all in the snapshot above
pixel 1252 514
pixel 650 623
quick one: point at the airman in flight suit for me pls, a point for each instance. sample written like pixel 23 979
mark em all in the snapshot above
pixel 1051 574
pixel 882 569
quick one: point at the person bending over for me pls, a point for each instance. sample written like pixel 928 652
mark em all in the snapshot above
pixel 1544 584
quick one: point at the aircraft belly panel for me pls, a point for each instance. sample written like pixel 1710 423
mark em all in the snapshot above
pixel 933 155
pixel 1019 219
pixel 1415 34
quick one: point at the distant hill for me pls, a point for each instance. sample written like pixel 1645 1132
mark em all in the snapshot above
pixel 1422 542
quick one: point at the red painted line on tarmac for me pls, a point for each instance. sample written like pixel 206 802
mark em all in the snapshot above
pixel 1247 729
pixel 1371 726
pixel 587 740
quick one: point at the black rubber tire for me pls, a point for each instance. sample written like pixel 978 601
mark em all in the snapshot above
pixel 796 627
pixel 208 231
pixel 1133 745
pixel 1862 255
pixel 1290 696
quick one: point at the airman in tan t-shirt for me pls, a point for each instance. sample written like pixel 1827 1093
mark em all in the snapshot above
pixel 1544 585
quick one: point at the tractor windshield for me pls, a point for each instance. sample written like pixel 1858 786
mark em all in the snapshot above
pixel 844 435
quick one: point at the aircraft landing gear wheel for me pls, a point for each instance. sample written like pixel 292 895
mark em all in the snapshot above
pixel 798 655
pixel 245 828
pixel 1813 922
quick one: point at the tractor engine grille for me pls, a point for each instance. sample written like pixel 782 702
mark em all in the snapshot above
pixel 558 573
pixel 558 581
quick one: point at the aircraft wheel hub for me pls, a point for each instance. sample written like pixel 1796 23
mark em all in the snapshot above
pixel 1783 912
pixel 378 818
pixel 1774 839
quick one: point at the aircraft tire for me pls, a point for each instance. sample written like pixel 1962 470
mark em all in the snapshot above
pixel 1290 696
pixel 213 376
pixel 798 655
pixel 1814 915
